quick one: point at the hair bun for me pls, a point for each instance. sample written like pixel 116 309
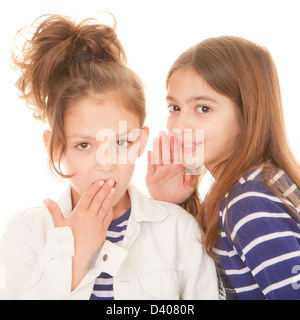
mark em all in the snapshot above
pixel 57 44
pixel 98 42
pixel 83 56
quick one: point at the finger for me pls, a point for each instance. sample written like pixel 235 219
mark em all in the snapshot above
pixel 172 141
pixel 160 150
pixel 87 198
pixel 156 151
pixel 108 219
pixel 165 148
pixel 99 198
pixel 54 210
pixel 177 154
pixel 107 204
pixel 150 165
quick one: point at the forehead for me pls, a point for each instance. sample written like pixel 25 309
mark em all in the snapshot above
pixel 186 86
pixel 186 82
pixel 90 115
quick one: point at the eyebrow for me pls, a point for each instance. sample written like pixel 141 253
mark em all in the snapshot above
pixel 88 137
pixel 81 136
pixel 193 99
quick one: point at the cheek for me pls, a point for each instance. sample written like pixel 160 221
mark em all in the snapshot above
pixel 221 136
pixel 231 130
pixel 127 156
pixel 75 163
pixel 80 177
pixel 125 173
pixel 170 123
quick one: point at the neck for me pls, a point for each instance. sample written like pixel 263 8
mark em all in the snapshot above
pixel 215 171
pixel 122 206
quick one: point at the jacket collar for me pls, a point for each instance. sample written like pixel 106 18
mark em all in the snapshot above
pixel 142 208
pixel 65 202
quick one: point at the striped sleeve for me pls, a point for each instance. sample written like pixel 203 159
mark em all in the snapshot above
pixel 266 238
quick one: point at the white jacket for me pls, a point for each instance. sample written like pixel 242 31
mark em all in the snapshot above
pixel 160 257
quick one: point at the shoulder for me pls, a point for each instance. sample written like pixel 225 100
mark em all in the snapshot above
pixel 250 185
pixel 253 190
pixel 168 215
pixel 39 215
pixel 174 212
pixel 251 199
pixel 33 223
pixel 179 222
pixel 27 230
pixel 30 219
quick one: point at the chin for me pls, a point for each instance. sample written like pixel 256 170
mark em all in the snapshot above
pixel 193 170
pixel 191 163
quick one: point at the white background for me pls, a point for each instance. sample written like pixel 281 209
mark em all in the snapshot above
pixel 153 33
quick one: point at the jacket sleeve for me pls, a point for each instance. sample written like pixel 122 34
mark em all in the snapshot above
pixel 199 277
pixel 32 273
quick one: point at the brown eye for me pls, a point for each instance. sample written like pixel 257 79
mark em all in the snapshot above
pixel 203 109
pixel 83 146
pixel 122 144
pixel 173 108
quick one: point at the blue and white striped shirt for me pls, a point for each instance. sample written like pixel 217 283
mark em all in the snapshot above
pixel 259 248
pixel 103 287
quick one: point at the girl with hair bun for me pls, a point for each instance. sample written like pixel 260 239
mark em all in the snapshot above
pixel 228 87
pixel 103 239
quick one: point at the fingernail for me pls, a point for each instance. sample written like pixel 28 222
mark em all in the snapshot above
pixel 111 182
pixel 46 203
pixel 113 190
pixel 101 183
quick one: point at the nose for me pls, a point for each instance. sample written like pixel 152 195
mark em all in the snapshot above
pixel 105 159
pixel 183 123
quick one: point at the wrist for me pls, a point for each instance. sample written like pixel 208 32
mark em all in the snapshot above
pixel 79 269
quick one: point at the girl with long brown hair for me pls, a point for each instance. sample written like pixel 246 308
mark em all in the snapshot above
pixel 228 87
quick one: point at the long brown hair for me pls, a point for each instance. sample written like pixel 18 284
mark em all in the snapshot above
pixel 244 72
pixel 64 62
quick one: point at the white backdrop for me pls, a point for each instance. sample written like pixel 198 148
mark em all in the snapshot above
pixel 153 33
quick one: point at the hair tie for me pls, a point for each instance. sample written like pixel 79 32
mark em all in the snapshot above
pixel 83 56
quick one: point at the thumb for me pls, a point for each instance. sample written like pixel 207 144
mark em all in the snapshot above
pixel 54 210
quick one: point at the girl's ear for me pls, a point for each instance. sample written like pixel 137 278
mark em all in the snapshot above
pixel 47 135
pixel 143 140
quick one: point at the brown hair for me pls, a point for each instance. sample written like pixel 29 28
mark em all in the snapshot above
pixel 64 62
pixel 244 72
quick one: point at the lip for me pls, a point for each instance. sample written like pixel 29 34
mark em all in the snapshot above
pixel 189 147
